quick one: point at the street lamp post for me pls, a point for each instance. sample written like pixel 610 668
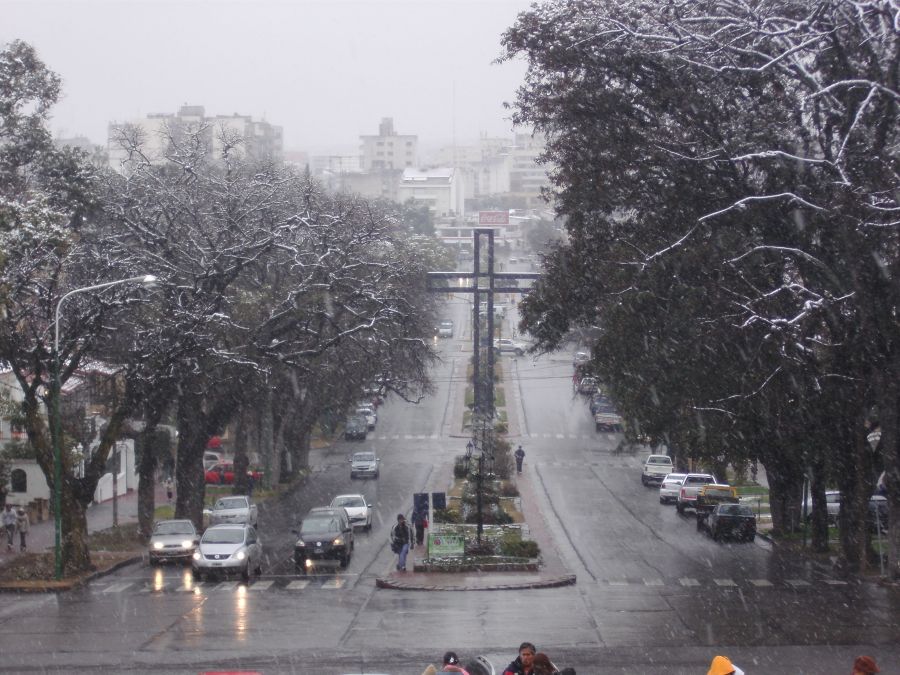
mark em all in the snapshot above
pixel 56 425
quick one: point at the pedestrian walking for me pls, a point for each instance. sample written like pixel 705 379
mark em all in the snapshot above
pixel 170 488
pixel 9 524
pixel 420 522
pixel 865 665
pixel 22 527
pixel 401 537
pixel 250 483
pixel 520 457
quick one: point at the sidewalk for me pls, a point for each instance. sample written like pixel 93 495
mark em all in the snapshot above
pixel 42 535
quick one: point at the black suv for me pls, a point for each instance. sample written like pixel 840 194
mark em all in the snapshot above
pixel 356 427
pixel 325 535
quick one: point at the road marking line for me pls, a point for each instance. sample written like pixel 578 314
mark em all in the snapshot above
pixel 226 586
pixel 297 585
pixel 761 582
pixel 617 582
pixel 835 582
pixel 654 582
pixel 333 583
pixel 724 582
pixel 117 588
pixel 261 585
pixel 687 581
pixel 798 583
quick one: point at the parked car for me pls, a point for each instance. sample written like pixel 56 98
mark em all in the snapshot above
pixel 368 412
pixel 687 495
pixel 356 427
pixel 670 487
pixel 173 540
pixel 832 504
pixel 656 467
pixel 223 474
pixel 732 521
pixel 598 401
pixel 709 497
pixel 325 536
pixel 228 549
pixel 580 359
pixel 234 509
pixel 507 346
pixel 587 385
pixel 358 509
pixel 445 329
pixel 364 464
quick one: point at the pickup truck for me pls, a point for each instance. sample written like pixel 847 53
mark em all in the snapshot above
pixel 656 467
pixel 710 496
pixel 687 497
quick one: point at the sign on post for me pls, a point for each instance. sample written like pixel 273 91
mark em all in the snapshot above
pixel 445 546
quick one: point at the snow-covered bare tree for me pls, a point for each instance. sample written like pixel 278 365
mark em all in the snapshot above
pixel 729 174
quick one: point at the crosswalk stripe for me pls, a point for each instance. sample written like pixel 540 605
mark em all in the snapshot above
pixel 724 582
pixel 760 582
pixel 261 585
pixel 687 581
pixel 798 583
pixel 226 586
pixel 117 588
pixel 654 582
pixel 618 582
pixel 835 582
pixel 560 435
pixel 533 435
pixel 298 585
pixel 333 583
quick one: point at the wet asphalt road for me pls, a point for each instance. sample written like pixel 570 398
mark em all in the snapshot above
pixel 652 595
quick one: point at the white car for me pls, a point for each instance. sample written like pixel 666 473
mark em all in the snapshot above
pixel 357 508
pixel 364 464
pixel 225 549
pixel 670 487
pixel 367 411
pixel 173 540
pixel 505 346
pixel 237 509
pixel 445 329
pixel 656 467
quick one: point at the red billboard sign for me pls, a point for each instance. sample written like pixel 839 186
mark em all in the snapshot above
pixel 493 217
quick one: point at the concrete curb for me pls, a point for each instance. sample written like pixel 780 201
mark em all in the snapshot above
pixel 420 585
pixel 53 586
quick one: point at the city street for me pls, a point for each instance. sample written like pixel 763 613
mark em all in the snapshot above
pixel 652 594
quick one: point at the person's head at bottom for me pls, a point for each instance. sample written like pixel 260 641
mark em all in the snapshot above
pixel 542 665
pixel 722 665
pixel 526 654
pixel 865 665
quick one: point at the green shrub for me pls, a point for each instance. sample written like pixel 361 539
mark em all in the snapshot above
pixel 486 547
pixel 451 516
pixel 520 548
pixel 459 467
pixel 508 489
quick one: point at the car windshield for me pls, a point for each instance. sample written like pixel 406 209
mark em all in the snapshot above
pixel 231 503
pixel 659 460
pixel 348 501
pixel 735 510
pixel 364 457
pixel 231 535
pixel 320 525
pixel 446 324
pixel 175 527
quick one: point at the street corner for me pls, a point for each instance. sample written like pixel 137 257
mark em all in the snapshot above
pixel 421 582
pixel 16 578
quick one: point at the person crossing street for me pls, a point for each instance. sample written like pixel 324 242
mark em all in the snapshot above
pixel 401 539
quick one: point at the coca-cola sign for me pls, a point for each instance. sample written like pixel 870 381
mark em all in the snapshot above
pixel 493 217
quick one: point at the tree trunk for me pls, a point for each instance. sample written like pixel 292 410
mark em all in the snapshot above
pixel 853 467
pixel 267 436
pixel 146 482
pixel 243 431
pixel 190 476
pixel 819 521
pixel 76 556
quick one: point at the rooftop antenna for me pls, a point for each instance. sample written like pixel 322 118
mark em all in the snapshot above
pixel 453 124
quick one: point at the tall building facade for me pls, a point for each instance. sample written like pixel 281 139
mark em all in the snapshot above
pixel 388 151
pixel 255 139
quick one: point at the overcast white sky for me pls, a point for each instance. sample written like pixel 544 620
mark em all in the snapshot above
pixel 325 70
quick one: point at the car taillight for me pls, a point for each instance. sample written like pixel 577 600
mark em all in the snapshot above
pixel 682 493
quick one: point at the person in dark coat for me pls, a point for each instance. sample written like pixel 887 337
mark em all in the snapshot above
pixel 520 457
pixel 420 522
pixel 524 662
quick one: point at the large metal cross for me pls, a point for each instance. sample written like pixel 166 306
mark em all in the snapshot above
pixel 484 283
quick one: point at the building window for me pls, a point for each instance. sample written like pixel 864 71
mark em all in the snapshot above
pixel 18 481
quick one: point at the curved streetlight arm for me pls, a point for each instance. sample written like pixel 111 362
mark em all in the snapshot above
pixel 147 280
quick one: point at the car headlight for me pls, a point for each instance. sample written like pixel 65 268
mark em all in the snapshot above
pixel 157 545
pixel 240 555
pixel 196 555
pixel 300 544
pixel 338 542
pixel 187 544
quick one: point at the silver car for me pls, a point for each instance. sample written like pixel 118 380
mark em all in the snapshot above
pixel 670 487
pixel 234 509
pixel 173 540
pixel 364 464
pixel 228 549
pixel 359 511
